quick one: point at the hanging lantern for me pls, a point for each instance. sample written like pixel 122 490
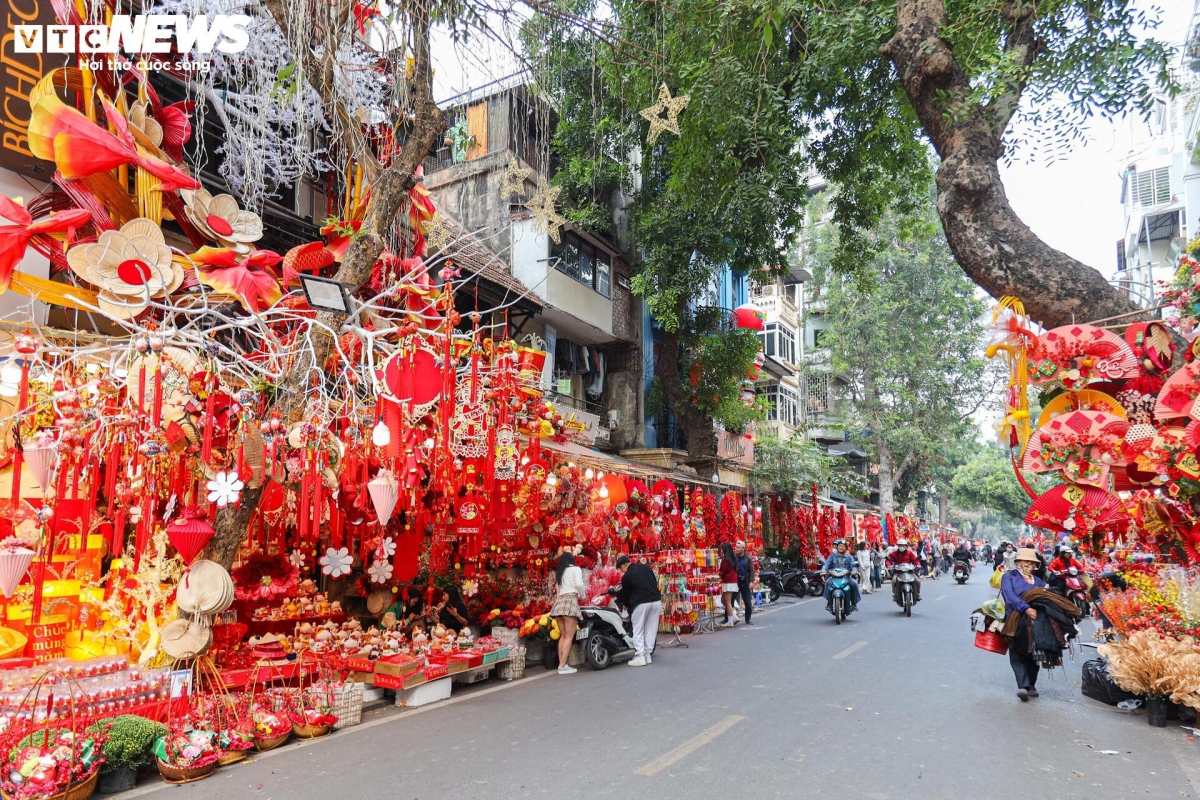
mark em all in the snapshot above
pixel 617 495
pixel 40 461
pixel 189 535
pixel 384 495
pixel 749 318
pixel 14 564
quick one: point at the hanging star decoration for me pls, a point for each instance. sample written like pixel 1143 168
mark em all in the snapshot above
pixel 545 218
pixel 514 178
pixel 672 106
pixel 437 234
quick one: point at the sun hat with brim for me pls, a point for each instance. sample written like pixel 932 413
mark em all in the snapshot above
pixel 1027 554
pixel 205 589
pixel 183 639
pixel 378 601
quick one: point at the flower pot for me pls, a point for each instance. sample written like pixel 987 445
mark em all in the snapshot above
pixel 1156 709
pixel 550 657
pixel 119 779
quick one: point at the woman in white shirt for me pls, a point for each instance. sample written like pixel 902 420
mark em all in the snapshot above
pixel 569 580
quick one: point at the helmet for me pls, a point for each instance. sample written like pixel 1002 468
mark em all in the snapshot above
pixel 838 542
pixel 902 543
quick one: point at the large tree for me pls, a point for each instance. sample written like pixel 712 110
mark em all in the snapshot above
pixel 789 466
pixel 905 335
pixel 986 483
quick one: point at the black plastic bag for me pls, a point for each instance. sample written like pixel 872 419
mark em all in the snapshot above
pixel 1099 686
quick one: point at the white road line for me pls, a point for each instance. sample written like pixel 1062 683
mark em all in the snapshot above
pixel 943 597
pixel 849 650
pixel 687 748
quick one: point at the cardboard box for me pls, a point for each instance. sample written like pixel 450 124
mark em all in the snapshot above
pixel 397 666
pixel 415 679
pixel 435 671
pixel 390 681
pixel 455 666
pixel 362 677
pixel 468 658
pixel 359 664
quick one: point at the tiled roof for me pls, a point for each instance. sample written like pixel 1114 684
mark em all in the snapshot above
pixel 472 258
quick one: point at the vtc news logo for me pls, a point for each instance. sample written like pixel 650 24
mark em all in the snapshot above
pixel 141 34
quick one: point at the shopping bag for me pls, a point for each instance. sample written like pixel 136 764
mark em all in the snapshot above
pixel 997 576
pixel 994 609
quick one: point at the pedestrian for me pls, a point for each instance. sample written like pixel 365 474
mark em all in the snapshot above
pixel 568 578
pixel 863 555
pixel 1033 640
pixel 876 567
pixel 639 593
pixel 745 576
pixel 452 611
pixel 729 583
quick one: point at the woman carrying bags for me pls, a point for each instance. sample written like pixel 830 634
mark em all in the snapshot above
pixel 729 583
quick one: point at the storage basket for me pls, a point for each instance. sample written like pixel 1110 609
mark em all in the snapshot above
pixel 991 642
pixel 310 731
pixel 177 775
pixel 263 745
pixel 348 705
pixel 78 791
pixel 514 668
pixel 231 757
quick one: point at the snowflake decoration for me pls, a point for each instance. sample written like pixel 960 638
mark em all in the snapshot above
pixel 672 106
pixel 438 234
pixel 546 218
pixel 387 548
pixel 225 489
pixel 336 562
pixel 380 572
pixel 297 559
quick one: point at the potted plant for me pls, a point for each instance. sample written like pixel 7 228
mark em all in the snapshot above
pixel 544 630
pixel 130 746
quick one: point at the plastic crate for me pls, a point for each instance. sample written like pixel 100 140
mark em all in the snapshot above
pixel 491 657
pixel 348 705
pixel 514 668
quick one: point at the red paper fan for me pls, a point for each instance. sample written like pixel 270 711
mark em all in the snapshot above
pixel 1057 509
pixel 1099 355
pixel 1178 395
pixel 1191 434
pixel 1096 433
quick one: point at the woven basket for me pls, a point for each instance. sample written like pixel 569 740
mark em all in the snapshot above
pixel 991 642
pixel 80 791
pixel 263 745
pixel 231 757
pixel 514 668
pixel 178 775
pixel 310 731
pixel 348 705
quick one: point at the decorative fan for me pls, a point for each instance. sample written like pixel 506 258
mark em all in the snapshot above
pixel 1177 397
pixel 1076 355
pixel 1083 444
pixel 1082 400
pixel 1069 507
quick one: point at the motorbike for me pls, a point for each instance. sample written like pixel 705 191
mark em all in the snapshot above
pixel 962 571
pixel 906 574
pixel 840 606
pixel 771 576
pixel 808 581
pixel 1075 589
pixel 606 635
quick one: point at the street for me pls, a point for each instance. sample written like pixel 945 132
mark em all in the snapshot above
pixel 880 707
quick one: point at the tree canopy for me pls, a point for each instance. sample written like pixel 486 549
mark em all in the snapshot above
pixel 986 484
pixel 788 466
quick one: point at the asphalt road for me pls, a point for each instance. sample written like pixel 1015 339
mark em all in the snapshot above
pixel 880 707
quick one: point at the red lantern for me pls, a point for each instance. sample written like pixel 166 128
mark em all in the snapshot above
pixel 612 489
pixel 189 536
pixel 749 318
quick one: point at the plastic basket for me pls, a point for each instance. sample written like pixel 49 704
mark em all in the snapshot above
pixel 348 705
pixel 991 642
pixel 514 668
pixel 505 636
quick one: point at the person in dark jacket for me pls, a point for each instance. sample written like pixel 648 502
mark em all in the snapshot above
pixel 745 578
pixel 729 583
pixel 1014 584
pixel 639 593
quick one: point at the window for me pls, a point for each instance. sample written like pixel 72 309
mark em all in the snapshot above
pixel 819 338
pixel 816 393
pixel 1121 264
pixel 583 261
pixel 779 342
pixel 784 402
pixel 1152 187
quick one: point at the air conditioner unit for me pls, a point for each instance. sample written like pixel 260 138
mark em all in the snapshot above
pixel 602 434
pixel 614 419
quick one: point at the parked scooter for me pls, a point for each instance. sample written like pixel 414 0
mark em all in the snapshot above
pixel 839 603
pixel 1075 589
pixel 962 571
pixel 606 635
pixel 771 576
pixel 906 574
pixel 810 581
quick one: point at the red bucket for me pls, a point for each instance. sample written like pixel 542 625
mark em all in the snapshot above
pixel 991 641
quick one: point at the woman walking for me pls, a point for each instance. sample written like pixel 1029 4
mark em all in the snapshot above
pixel 863 556
pixel 1039 623
pixel 569 580
pixel 729 583
pixel 876 567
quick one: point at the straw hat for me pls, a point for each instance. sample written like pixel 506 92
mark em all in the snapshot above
pixel 205 589
pixel 1027 554
pixel 183 639
pixel 378 601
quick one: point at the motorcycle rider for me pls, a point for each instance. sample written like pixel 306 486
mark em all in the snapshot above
pixel 963 553
pixel 902 555
pixel 1061 564
pixel 841 559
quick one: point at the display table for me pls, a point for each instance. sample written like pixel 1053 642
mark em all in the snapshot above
pixel 238 678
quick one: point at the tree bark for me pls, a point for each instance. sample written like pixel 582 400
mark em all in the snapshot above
pixel 887 482
pixel 698 426
pixel 389 197
pixel 992 245
pixel 944 505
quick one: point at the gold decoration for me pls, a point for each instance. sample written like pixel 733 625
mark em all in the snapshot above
pixel 545 218
pixel 514 178
pixel 437 233
pixel 672 106
pixel 221 219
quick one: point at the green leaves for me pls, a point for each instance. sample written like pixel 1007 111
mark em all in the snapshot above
pixel 789 466
pixel 986 483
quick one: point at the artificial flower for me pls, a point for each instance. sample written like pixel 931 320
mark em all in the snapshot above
pixel 297 559
pixel 129 266
pixel 219 218
pixel 336 562
pixel 380 572
pixel 387 547
pixel 225 489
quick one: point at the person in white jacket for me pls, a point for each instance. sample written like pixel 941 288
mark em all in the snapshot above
pixel 863 556
pixel 568 578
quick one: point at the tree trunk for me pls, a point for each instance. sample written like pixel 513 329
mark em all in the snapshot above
pixel 993 246
pixel 698 426
pixel 389 197
pixel 944 505
pixel 887 479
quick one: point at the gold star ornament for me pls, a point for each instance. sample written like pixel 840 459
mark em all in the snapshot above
pixel 437 233
pixel 671 106
pixel 545 217
pixel 514 178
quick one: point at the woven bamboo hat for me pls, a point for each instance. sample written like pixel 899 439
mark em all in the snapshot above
pixel 183 639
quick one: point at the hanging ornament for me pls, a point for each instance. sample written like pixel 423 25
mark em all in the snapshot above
pixel 337 562
pixel 380 572
pixel 387 547
pixel 297 558
pixel 546 218
pixel 14 563
pixel 225 489
pixel 671 106
pixel 514 178
pixel 384 495
pixel 189 535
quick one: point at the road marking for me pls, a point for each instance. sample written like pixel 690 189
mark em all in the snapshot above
pixel 687 748
pixel 943 597
pixel 850 650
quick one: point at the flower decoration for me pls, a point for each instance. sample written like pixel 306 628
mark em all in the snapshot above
pixel 225 489
pixel 470 588
pixel 15 238
pixel 265 576
pixel 336 562
pixel 220 218
pixel 380 572
pixel 387 547
pixel 129 267
pixel 297 559
pixel 141 121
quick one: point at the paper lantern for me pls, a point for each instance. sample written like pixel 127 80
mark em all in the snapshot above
pixel 613 490
pixel 749 318
pixel 530 360
pixel 189 537
pixel 13 566
pixel 384 495
pixel 40 461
